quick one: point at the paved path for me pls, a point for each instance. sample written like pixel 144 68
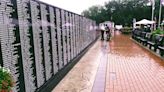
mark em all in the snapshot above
pixel 82 75
pixel 116 66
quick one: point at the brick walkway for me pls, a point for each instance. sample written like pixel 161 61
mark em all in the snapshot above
pixel 132 68
pixel 128 68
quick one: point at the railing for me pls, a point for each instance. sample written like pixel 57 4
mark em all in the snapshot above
pixel 149 40
pixel 37 40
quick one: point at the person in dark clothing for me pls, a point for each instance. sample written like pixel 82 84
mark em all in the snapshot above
pixel 148 29
pixel 107 32
pixel 102 28
pixel 102 34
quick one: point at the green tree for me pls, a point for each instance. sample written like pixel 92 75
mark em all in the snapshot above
pixel 122 11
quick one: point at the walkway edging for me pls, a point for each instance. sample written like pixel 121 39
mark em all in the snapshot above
pixel 99 85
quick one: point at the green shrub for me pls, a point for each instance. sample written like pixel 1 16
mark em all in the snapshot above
pixel 6 79
pixel 158 31
pixel 126 30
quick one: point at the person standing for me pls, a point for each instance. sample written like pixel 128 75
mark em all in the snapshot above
pixel 107 32
pixel 102 28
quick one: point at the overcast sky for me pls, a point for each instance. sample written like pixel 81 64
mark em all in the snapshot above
pixel 76 6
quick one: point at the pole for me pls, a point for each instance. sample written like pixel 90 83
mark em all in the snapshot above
pixel 152 14
pixel 160 10
pixel 153 7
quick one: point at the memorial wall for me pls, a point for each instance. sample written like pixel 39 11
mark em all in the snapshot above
pixel 37 40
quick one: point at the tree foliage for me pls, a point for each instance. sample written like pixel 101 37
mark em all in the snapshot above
pixel 122 11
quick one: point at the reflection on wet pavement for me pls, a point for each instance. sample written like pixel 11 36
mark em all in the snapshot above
pixel 99 83
pixel 82 75
pixel 116 66
pixel 132 68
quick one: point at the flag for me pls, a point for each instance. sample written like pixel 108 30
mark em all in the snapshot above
pixel 162 2
pixel 152 2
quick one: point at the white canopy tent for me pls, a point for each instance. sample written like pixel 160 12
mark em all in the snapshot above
pixel 144 22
